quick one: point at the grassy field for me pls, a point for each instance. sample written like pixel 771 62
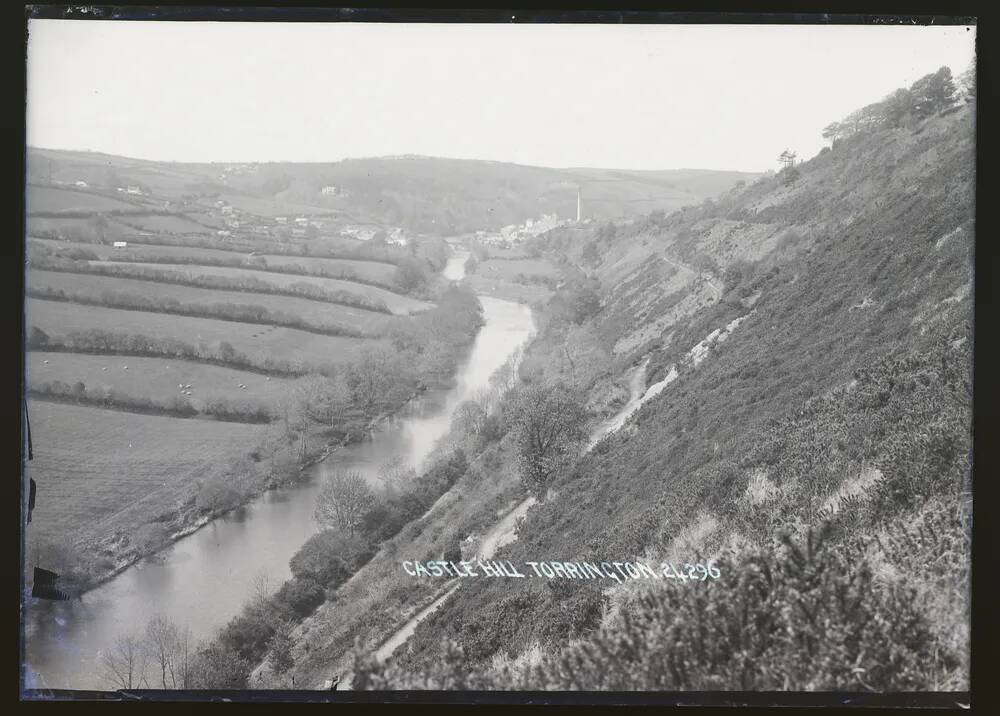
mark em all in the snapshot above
pixel 89 464
pixel 317 312
pixel 508 290
pixel 397 303
pixel 515 269
pixel 59 318
pixel 269 207
pixel 43 198
pixel 156 378
pixel 167 224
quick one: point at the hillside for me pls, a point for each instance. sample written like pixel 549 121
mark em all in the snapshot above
pixel 808 337
pixel 423 194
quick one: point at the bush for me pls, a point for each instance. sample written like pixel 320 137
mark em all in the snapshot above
pixel 329 557
pixel 301 595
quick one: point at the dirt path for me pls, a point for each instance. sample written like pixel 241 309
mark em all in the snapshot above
pixel 503 532
pixel 714 284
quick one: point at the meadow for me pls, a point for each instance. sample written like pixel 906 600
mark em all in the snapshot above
pixel 94 468
pixel 167 224
pixel 60 318
pixel 397 303
pixel 315 312
pixel 51 199
pixel 153 377
pixel 524 270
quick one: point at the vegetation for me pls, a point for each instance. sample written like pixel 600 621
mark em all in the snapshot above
pixel 819 455
pixel 224 283
pixel 548 424
pixel 242 313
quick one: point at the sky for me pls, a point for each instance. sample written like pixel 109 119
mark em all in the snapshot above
pixel 617 96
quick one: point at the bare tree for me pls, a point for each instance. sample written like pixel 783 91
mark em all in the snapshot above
pixel 125 662
pixel 163 640
pixel 505 377
pixel 343 501
pixel 260 587
pixel 469 418
pixel 394 473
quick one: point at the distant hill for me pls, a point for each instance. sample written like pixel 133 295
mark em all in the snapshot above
pixel 424 194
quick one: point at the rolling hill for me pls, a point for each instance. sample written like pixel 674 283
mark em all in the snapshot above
pixel 422 194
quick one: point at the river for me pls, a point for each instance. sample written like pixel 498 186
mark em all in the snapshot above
pixel 203 580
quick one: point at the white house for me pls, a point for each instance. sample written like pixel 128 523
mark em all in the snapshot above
pixel 227 210
pixel 120 244
pixel 81 184
pixel 301 221
pixel 281 219
pixel 223 233
pixel 329 190
pixel 133 190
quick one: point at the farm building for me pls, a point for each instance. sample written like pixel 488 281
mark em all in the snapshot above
pixel 120 245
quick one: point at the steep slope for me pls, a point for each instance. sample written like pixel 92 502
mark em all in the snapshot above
pixel 815 442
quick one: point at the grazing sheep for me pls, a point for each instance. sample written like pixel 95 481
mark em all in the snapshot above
pixel 45 362
pixel 126 367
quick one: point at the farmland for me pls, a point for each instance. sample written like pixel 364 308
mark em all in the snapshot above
pixel 59 318
pixel 153 377
pixel 166 224
pixel 517 269
pixel 50 199
pixel 396 303
pixel 95 468
pixel 312 311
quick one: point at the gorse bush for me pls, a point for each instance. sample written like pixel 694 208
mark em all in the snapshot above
pixel 811 617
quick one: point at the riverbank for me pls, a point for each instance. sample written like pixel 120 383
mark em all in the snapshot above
pixel 90 563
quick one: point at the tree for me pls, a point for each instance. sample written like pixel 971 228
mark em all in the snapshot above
pixel 898 108
pixel 343 501
pixel 394 473
pixel 329 557
pixel 167 648
pixel 410 275
pixel 548 422
pixel 374 376
pixel 967 83
pixel 125 662
pixel 469 418
pixel 281 648
pixel 100 224
pixel 933 93
pixel 216 667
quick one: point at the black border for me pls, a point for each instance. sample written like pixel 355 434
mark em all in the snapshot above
pixel 986 418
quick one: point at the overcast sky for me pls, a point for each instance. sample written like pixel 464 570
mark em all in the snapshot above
pixel 622 96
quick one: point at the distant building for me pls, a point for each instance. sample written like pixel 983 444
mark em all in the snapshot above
pixel 81 184
pixel 298 232
pixel 301 221
pixel 227 210
pixel 281 219
pixel 330 190
pixel 120 244
pixel 133 190
pixel 223 233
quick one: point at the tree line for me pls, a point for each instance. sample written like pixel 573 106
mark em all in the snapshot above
pixel 932 93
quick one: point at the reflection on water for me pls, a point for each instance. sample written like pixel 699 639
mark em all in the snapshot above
pixel 203 580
